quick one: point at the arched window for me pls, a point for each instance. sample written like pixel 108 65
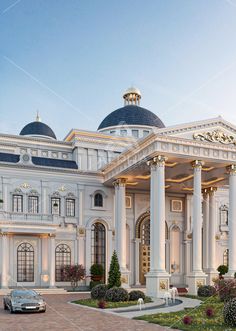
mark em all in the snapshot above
pixel 25 263
pixel 63 258
pixel 98 200
pixel 226 257
pixel 98 251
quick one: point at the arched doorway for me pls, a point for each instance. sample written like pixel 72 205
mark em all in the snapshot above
pixel 143 234
pixel 98 242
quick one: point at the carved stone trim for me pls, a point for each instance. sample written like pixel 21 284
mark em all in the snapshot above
pixel 231 169
pixel 197 164
pixel 216 136
pixel 120 182
pixel 158 161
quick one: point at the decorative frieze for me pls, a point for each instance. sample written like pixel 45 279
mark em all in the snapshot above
pixel 216 136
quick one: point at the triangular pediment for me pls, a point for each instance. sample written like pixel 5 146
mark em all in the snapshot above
pixel 215 130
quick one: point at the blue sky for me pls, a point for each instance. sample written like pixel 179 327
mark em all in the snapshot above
pixel 72 60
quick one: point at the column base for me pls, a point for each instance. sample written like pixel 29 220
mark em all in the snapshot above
pixel 125 278
pixel 157 283
pixel 195 280
pixel 212 276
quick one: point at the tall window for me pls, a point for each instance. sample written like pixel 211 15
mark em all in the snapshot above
pixel 17 203
pixel 25 263
pixel 63 258
pixel 226 257
pixel 98 200
pixel 98 236
pixel 56 206
pixel 70 207
pixel 33 204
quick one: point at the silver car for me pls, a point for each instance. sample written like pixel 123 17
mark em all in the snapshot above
pixel 24 301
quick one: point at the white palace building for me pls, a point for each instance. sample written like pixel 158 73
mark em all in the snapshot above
pixel 163 197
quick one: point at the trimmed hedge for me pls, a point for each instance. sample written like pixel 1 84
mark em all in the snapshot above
pixel 227 289
pixel 99 291
pixel 229 312
pixel 135 295
pixel 206 291
pixel 116 294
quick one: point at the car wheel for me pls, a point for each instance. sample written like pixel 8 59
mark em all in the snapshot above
pixel 43 311
pixel 4 306
pixel 11 310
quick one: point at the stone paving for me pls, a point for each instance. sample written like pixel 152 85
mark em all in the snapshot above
pixel 63 316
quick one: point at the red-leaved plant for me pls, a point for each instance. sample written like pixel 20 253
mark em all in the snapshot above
pixel 101 304
pixel 74 273
pixel 209 312
pixel 187 320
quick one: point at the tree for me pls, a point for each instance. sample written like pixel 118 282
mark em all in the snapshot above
pixel 74 273
pixel 114 272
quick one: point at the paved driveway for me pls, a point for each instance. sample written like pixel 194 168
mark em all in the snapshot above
pixel 62 316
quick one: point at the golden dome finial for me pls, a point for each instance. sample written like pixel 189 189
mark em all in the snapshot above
pixel 132 96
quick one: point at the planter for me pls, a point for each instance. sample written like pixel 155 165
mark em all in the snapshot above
pixel 96 278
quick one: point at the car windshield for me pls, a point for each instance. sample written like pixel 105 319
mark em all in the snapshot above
pixel 23 294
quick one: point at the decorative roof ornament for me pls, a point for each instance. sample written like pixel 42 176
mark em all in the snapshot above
pixel 132 96
pixel 216 136
pixel 38 119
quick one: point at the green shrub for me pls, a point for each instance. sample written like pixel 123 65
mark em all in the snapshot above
pixel 114 272
pixel 222 269
pixel 135 295
pixel 99 291
pixel 116 294
pixel 97 270
pixel 93 283
pixel 229 312
pixel 206 291
pixel 227 289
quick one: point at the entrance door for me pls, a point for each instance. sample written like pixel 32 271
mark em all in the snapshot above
pixel 144 250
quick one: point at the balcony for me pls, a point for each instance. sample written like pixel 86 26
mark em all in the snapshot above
pixel 35 219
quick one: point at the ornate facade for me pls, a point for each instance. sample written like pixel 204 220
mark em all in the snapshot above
pixel 163 197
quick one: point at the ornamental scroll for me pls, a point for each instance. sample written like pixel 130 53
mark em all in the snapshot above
pixel 216 136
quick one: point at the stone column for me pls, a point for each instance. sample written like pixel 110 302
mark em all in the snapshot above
pixel 5 260
pixel 120 228
pixel 211 271
pixel 205 211
pixel 157 280
pixel 232 220
pixel 137 244
pixel 197 277
pixel 52 260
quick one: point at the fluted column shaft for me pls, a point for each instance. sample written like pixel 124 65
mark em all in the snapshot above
pixel 197 217
pixel 120 221
pixel 212 230
pixel 52 260
pixel 232 220
pixel 157 215
pixel 5 260
pixel 205 228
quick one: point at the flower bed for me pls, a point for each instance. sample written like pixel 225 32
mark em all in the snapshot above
pixel 208 316
pixel 109 305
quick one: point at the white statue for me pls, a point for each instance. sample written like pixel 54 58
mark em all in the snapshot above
pixel 167 297
pixel 174 293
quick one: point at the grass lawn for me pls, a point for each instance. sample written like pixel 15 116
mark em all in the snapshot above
pixel 94 303
pixel 199 319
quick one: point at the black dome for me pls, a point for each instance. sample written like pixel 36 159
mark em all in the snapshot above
pixel 131 115
pixel 37 129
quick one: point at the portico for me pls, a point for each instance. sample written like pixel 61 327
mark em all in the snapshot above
pixel 180 168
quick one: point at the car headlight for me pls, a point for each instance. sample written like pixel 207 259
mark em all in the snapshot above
pixel 41 302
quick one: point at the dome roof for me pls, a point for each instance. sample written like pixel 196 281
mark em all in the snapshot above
pixel 131 115
pixel 38 128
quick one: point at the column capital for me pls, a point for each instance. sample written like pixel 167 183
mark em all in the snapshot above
pixel 231 169
pixel 4 234
pixel 120 182
pixel 52 235
pixel 197 164
pixel 157 161
pixel 212 190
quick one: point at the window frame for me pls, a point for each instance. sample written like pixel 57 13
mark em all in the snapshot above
pixel 58 200
pixel 33 198
pixel 63 254
pixel 17 195
pixel 26 257
pixel 69 199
